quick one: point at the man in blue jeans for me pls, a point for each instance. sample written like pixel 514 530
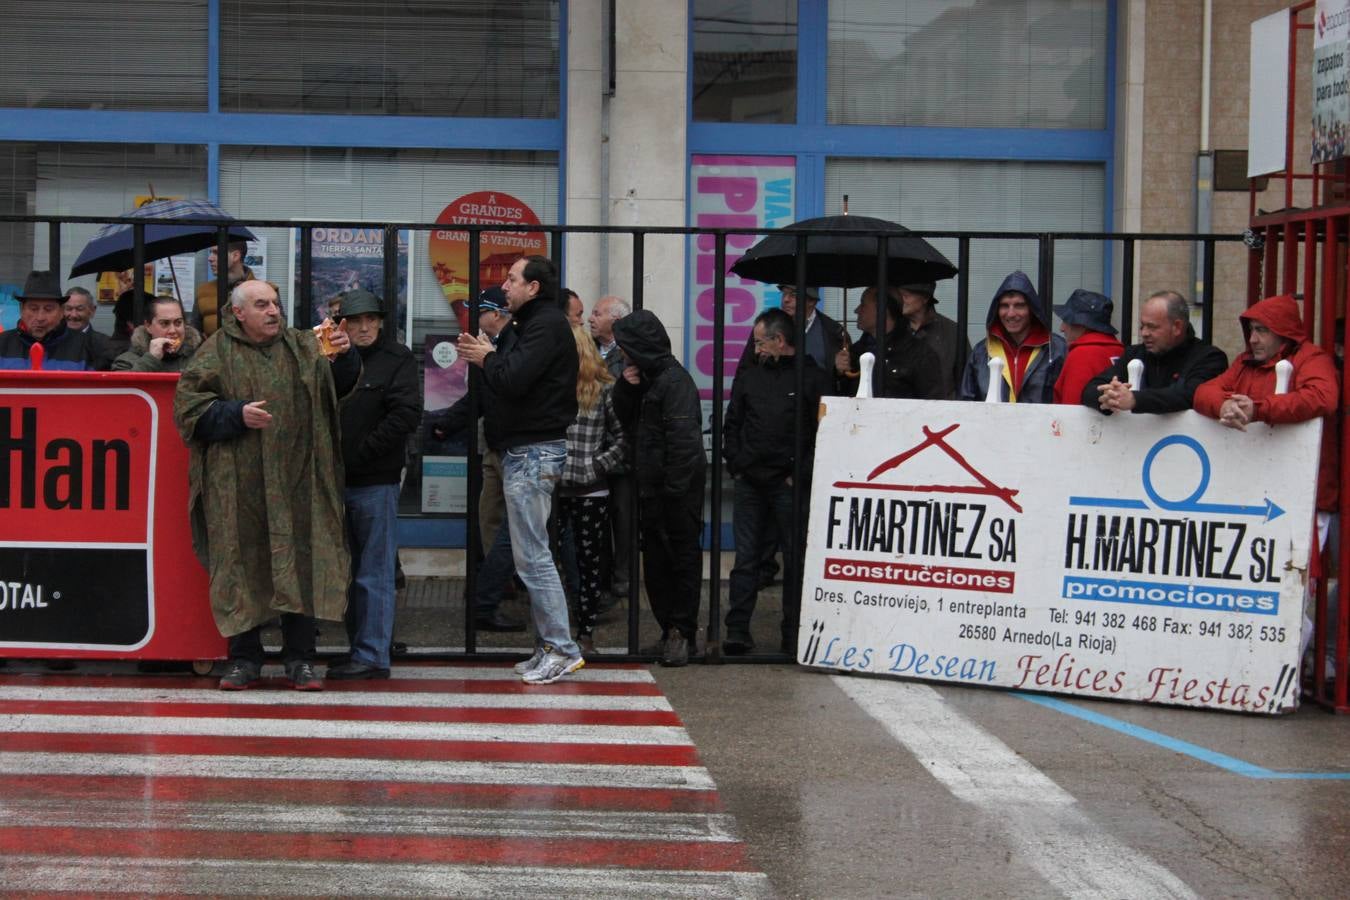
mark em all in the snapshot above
pixel 534 380
pixel 377 418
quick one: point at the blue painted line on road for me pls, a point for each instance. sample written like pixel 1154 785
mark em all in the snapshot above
pixel 1195 751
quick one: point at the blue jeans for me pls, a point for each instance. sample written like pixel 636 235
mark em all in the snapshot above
pixel 529 475
pixel 372 514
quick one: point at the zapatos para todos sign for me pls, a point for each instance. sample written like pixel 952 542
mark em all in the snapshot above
pixel 77 490
pixel 1153 558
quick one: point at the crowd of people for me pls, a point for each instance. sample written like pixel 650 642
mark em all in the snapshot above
pixel 298 437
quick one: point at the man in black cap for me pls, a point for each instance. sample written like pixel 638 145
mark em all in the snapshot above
pixel 919 307
pixel 1085 322
pixel 42 323
pixel 377 417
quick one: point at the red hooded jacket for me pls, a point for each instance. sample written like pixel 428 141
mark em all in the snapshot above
pixel 1092 353
pixel 1313 390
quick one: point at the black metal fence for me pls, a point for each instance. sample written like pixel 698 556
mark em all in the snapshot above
pixel 302 304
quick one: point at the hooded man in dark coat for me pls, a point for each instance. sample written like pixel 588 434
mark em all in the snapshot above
pixel 1019 334
pixel 658 403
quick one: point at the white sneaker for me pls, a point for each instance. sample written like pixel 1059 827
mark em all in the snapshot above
pixel 533 662
pixel 552 667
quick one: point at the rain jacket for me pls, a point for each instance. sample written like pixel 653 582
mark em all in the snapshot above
pixel 913 369
pixel 1030 370
pixel 1313 390
pixel 661 414
pixel 66 350
pixel 1091 354
pixel 139 359
pixel 265 504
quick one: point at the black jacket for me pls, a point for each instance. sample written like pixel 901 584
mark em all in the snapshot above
pixel 758 437
pixel 534 379
pixel 456 419
pixel 662 414
pixel 1170 379
pixel 379 414
pixel 913 370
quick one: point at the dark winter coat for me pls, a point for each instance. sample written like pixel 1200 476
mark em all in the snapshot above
pixel 534 379
pixel 835 338
pixel 1031 368
pixel 379 414
pixel 913 370
pixel 758 438
pixel 140 359
pixel 661 414
pixel 1170 378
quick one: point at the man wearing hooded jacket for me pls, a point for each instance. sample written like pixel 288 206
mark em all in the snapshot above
pixel 658 404
pixel 1019 334
pixel 1245 393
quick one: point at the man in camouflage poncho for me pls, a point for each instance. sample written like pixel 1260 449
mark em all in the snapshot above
pixel 257 406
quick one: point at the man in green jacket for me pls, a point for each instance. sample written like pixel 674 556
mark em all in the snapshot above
pixel 257 406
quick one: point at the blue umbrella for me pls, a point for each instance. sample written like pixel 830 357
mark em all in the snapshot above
pixel 111 249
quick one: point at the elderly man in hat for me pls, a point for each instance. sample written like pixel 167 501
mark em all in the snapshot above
pixel 824 336
pixel 1085 322
pixel 919 307
pixel 377 418
pixel 1176 362
pixel 42 324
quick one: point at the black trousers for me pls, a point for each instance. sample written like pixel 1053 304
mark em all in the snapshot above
pixel 673 561
pixel 297 640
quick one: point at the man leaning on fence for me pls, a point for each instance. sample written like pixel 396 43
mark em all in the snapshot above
pixel 258 408
pixel 1176 362
pixel 42 323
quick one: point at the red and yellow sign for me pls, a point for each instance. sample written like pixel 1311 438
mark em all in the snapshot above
pixel 448 250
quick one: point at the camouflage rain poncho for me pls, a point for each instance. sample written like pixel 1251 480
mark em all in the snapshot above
pixel 266 507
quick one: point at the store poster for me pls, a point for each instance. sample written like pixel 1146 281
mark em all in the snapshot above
pixel 448 249
pixel 731 192
pixel 1331 102
pixel 444 459
pixel 342 259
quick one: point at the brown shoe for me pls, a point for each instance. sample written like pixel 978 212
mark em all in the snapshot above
pixel 587 644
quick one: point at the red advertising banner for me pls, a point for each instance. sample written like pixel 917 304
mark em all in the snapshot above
pixel 95 548
pixel 448 249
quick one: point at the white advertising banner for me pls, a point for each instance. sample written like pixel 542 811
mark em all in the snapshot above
pixel 1268 93
pixel 1051 548
pixel 1331 102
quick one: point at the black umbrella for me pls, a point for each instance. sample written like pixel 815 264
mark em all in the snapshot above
pixel 111 250
pixel 846 257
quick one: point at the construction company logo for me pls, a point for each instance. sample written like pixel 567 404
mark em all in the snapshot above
pixel 909 527
pixel 76 504
pixel 1186 553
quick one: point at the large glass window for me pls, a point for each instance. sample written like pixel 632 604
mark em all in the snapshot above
pixel 92 54
pixel 53 179
pixel 948 195
pixel 968 63
pixel 411 58
pixel 745 61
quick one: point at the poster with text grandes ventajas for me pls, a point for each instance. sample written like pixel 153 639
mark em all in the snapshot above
pixel 731 192
pixel 1331 101
pixel 1052 548
pixel 448 248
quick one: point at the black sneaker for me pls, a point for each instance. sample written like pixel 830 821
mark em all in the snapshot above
pixel 303 677
pixel 738 645
pixel 240 675
pixel 677 651
pixel 355 671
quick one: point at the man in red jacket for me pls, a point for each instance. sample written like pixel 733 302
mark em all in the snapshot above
pixel 1246 393
pixel 1085 322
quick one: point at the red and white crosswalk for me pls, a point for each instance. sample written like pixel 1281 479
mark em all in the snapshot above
pixel 444 780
